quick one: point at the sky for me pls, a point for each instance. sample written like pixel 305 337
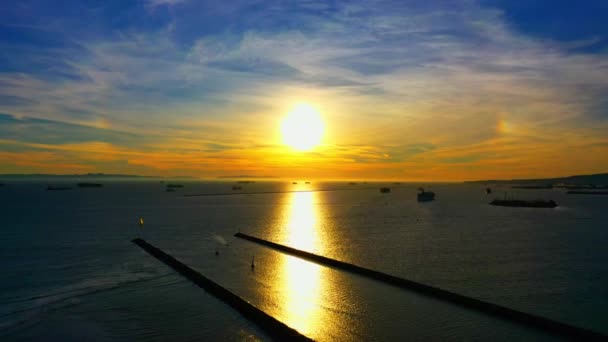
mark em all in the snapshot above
pixel 408 90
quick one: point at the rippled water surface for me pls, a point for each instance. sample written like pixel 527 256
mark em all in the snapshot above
pixel 70 271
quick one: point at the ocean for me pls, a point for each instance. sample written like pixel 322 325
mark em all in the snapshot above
pixel 71 273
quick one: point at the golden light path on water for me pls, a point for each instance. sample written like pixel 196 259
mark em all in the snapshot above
pixel 303 282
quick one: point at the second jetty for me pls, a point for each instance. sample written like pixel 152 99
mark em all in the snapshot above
pixel 585 192
pixel 89 185
pixel 531 320
pixel 524 203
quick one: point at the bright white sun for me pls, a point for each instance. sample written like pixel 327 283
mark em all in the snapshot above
pixel 302 128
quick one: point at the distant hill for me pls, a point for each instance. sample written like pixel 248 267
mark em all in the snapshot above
pixel 597 179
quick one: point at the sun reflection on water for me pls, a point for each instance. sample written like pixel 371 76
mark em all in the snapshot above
pixel 302 222
pixel 302 280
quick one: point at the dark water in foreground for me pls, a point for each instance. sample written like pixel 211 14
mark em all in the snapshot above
pixel 69 271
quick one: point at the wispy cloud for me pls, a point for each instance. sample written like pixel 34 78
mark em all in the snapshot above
pixel 156 3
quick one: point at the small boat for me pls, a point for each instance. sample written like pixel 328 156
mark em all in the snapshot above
pixel 425 196
pixel 352 183
pixel 294 182
pixel 174 186
pixel 524 203
pixel 89 185
pixel 488 191
pixel 385 190
pixel 53 188
pixel 237 187
pixel 306 182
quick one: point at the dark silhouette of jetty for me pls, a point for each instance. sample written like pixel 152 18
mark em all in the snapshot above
pixel 276 329
pixel 524 203
pixel 584 187
pixel 539 322
pixel 89 185
pixel 545 186
pixel 55 188
pixel 590 192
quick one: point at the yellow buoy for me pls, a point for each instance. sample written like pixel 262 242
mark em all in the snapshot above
pixel 141 221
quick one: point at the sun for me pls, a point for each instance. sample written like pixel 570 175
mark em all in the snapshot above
pixel 302 128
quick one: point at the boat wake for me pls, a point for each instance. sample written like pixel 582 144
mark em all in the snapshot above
pixel 27 309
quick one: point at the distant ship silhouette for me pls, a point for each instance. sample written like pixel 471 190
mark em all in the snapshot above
pixel 425 196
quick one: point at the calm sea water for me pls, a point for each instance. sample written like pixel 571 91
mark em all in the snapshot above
pixel 70 272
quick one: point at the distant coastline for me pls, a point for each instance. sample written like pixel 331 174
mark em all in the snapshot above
pixel 598 179
pixel 582 180
pixel 86 175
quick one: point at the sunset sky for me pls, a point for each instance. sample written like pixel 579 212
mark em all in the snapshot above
pixel 408 90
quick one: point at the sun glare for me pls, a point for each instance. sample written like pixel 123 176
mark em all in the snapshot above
pixel 302 128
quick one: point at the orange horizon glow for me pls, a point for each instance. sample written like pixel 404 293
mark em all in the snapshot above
pixel 507 154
